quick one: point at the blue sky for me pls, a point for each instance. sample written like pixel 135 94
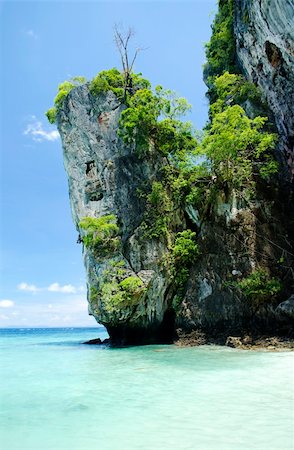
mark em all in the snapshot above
pixel 42 44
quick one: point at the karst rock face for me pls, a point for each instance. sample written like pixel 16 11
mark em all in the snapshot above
pixel 264 36
pixel 105 178
pixel 264 31
pixel 131 289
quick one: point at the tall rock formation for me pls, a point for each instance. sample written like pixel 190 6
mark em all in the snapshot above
pixel 130 276
pixel 263 52
pixel 128 286
pixel 264 32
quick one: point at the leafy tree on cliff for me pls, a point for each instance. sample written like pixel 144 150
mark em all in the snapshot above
pixel 221 49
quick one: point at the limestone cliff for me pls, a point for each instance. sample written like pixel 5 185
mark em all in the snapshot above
pixel 105 177
pixel 131 274
pixel 239 237
pixel 264 32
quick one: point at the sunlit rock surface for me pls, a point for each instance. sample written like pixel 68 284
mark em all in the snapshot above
pixel 104 178
pixel 265 47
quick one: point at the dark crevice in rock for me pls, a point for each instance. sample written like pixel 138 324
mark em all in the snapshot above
pixel 94 196
pixel 167 331
pixel 191 225
pixel 126 255
pixel 274 54
pixel 89 166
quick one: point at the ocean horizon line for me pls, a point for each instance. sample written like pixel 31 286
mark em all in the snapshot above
pixel 49 328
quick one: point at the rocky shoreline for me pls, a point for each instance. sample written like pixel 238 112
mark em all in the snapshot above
pixel 244 342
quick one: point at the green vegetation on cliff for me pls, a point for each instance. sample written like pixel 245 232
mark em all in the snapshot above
pixel 100 234
pixel 259 287
pixel 185 249
pixel 159 207
pixel 234 153
pixel 185 252
pixel 239 141
pixel 231 88
pixel 114 80
pixel 238 148
pixel 221 49
pixel 63 90
pixel 116 290
pixel 151 121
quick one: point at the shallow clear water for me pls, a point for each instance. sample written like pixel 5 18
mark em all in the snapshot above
pixel 58 394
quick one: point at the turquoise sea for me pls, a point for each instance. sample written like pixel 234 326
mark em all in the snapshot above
pixel 57 394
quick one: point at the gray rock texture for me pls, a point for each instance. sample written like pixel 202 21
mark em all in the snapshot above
pixel 229 247
pixel 104 177
pixel 265 49
pixel 286 308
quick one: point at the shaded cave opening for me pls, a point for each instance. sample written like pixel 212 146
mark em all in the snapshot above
pixel 160 333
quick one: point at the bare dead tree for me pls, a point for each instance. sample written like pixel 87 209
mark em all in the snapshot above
pixel 122 40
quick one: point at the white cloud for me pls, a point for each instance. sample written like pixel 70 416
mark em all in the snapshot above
pixel 6 303
pixel 53 287
pixel 31 33
pixel 62 310
pixel 35 130
pixel 28 287
pixel 66 289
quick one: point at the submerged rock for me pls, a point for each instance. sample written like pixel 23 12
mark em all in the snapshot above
pixel 96 341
